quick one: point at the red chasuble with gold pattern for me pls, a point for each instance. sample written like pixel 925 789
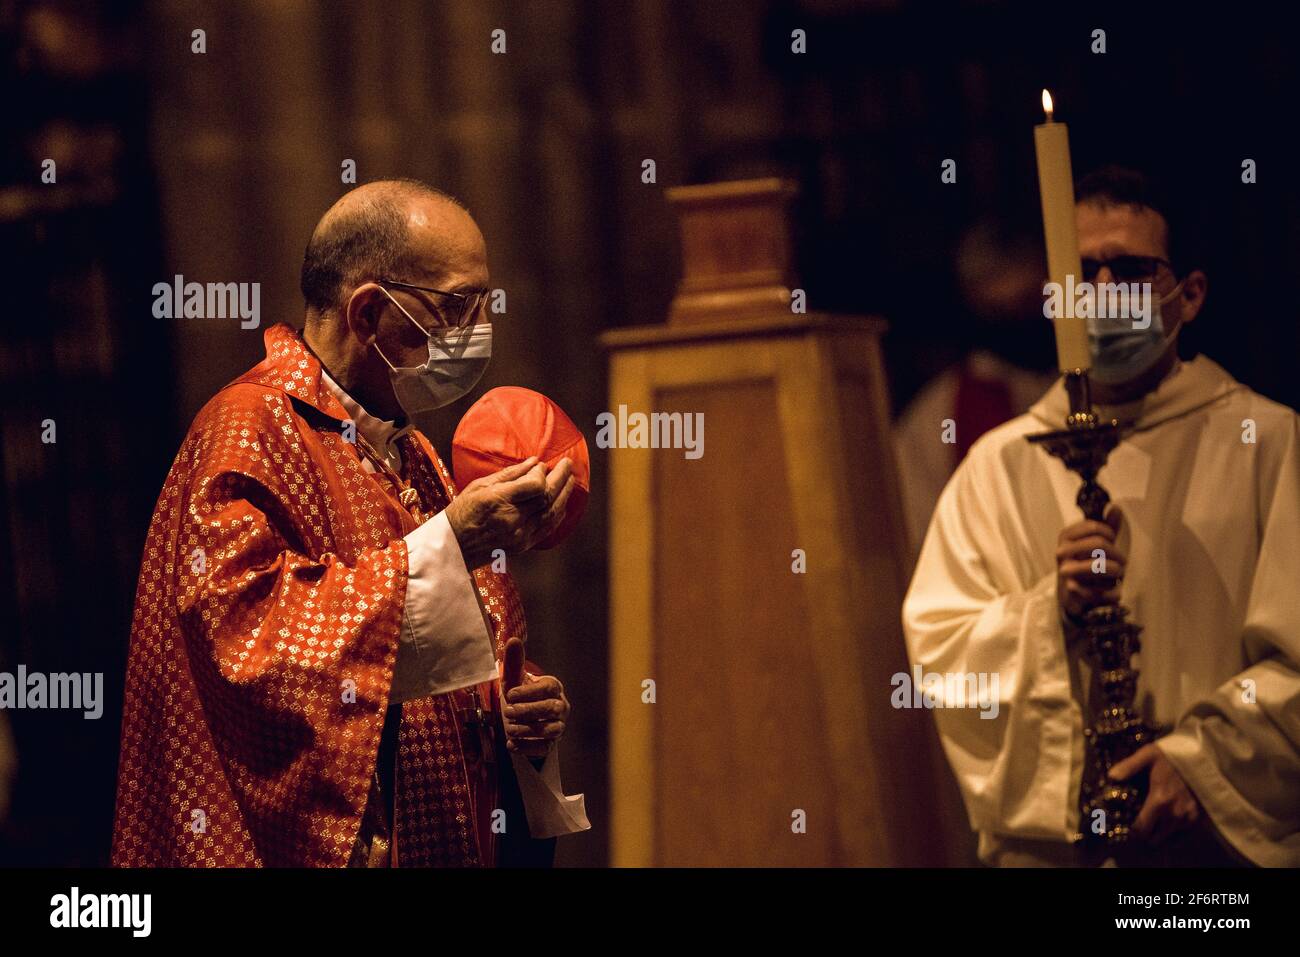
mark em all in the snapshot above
pixel 262 649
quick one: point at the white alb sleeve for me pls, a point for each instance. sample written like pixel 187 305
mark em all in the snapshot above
pixel 446 642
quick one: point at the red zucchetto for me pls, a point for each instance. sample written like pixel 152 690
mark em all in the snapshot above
pixel 508 425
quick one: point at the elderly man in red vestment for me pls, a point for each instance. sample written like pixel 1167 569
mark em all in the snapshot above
pixel 326 665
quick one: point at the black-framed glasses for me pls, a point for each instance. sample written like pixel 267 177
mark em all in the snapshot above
pixel 1126 268
pixel 467 308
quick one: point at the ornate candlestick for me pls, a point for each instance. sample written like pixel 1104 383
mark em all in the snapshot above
pixel 1110 641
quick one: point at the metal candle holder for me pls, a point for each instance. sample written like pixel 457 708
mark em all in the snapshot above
pixel 1110 640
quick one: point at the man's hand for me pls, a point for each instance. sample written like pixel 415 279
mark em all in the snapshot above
pixel 1170 805
pixel 512 509
pixel 1078 586
pixel 536 708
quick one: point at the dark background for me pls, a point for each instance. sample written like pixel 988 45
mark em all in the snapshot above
pixel 216 166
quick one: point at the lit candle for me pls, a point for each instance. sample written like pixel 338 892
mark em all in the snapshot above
pixel 1056 190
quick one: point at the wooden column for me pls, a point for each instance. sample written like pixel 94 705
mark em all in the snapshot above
pixel 771 685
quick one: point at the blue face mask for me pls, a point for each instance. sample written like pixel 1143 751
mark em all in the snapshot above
pixel 1121 352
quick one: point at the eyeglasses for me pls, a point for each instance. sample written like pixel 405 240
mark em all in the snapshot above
pixel 466 306
pixel 1125 268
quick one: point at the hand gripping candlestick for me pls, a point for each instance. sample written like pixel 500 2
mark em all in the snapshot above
pixel 1110 640
pixel 1114 731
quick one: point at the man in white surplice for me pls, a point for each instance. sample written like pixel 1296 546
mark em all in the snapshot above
pixel 1200 543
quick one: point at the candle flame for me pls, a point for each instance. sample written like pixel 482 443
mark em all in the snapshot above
pixel 1047 102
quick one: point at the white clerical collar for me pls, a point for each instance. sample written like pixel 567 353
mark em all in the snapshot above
pixel 379 433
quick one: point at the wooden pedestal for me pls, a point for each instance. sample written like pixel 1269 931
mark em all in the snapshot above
pixel 771 687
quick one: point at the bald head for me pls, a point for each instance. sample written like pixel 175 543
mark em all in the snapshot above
pixel 407 233
pixel 396 229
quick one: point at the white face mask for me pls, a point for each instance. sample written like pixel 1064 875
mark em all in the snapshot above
pixel 457 360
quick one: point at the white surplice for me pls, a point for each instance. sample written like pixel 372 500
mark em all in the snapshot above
pixel 1212 534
